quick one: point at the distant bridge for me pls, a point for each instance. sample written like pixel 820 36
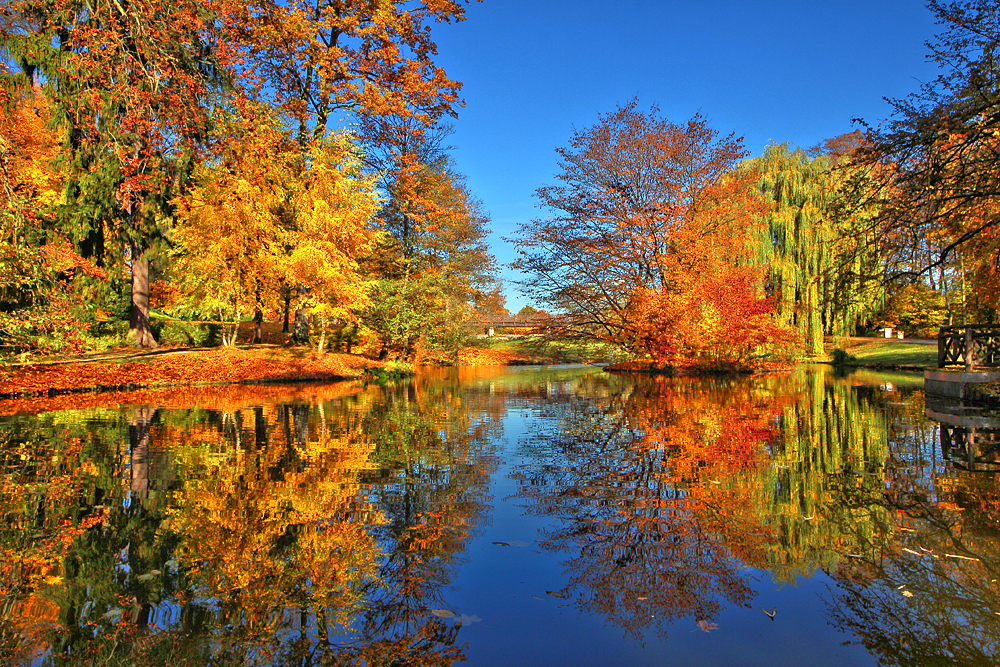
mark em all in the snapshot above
pixel 532 321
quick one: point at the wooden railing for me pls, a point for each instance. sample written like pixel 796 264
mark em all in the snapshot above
pixel 969 345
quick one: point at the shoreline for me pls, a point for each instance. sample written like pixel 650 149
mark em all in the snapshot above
pixel 27 386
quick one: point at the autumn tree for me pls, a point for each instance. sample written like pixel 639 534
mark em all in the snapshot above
pixel 270 213
pixel 320 58
pixel 433 268
pixel 938 157
pixel 644 210
pixel 43 296
pixel 130 87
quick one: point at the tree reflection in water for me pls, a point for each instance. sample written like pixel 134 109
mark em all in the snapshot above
pixel 275 534
pixel 324 529
pixel 665 490
pixel 931 595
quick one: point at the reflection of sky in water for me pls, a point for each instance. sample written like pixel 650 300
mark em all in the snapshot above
pixel 499 494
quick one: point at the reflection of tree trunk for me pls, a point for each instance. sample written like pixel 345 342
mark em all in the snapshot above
pixel 259 429
pixel 300 416
pixel 300 332
pixel 139 332
pixel 138 432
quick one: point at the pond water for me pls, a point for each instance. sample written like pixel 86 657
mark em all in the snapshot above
pixel 523 516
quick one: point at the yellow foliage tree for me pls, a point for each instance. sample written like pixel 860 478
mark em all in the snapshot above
pixel 269 214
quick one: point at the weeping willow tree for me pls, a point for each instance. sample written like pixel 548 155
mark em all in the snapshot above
pixel 823 269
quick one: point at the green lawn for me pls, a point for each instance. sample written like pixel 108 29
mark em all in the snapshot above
pixel 891 353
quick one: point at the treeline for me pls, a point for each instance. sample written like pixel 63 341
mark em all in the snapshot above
pixel 228 160
pixel 666 239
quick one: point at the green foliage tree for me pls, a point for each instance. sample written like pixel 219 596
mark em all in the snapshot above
pixel 823 280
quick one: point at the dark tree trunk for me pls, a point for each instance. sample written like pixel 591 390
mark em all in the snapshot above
pixel 139 332
pixel 142 417
pixel 258 319
pixel 300 331
pixel 288 303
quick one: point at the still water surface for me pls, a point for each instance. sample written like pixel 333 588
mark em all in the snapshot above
pixel 561 516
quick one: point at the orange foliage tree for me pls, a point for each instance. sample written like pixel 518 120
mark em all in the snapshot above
pixel 39 305
pixel 130 84
pixel 646 230
pixel 272 210
pixel 319 58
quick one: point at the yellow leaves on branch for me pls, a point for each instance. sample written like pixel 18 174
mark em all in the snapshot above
pixel 333 214
pixel 270 214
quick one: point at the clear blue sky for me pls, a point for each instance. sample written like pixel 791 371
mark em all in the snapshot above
pixel 768 70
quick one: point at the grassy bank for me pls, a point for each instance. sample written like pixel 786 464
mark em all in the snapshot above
pixel 877 353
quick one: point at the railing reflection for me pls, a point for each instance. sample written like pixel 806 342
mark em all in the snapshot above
pixel 970 437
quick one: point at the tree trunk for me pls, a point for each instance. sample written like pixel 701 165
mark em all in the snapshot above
pixel 288 302
pixel 258 319
pixel 139 332
pixel 300 331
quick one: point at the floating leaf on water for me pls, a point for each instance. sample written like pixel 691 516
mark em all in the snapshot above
pixel 707 626
pixel 911 551
pixel 961 557
pixel 536 597
pixel 907 594
pixel 443 613
pixel 556 594
pixel 643 598
pixel 770 613
pixel 502 544
pixel 561 606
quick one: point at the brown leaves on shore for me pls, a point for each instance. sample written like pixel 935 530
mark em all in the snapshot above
pixel 31 387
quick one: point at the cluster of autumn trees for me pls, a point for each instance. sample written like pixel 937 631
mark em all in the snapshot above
pixel 663 238
pixel 196 154
pixel 231 159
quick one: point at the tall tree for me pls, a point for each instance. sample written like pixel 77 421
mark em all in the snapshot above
pixel 129 82
pixel 322 57
pixel 434 266
pixel 269 210
pixel 645 207
pixel 819 273
pixel 938 157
